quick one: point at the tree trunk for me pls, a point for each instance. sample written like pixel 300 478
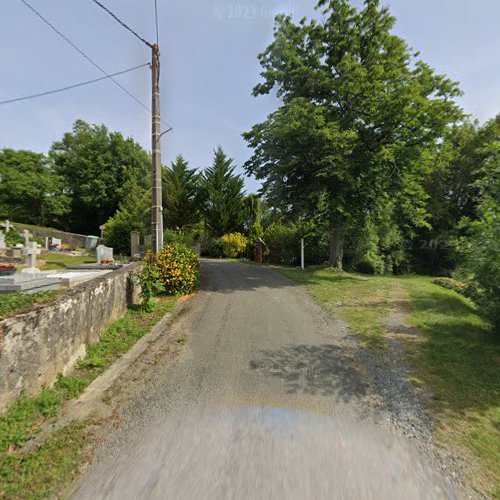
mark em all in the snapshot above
pixel 337 244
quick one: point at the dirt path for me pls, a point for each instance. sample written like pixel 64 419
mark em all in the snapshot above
pixel 264 397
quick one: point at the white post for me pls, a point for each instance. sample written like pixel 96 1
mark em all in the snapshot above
pixel 302 253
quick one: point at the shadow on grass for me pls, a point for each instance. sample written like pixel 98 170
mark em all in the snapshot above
pixel 460 352
pixel 318 370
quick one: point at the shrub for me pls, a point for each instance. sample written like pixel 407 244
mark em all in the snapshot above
pixel 150 283
pixel 178 269
pixel 117 234
pixel 233 245
pixel 13 238
pixel 210 247
pixel 455 285
pixel 283 243
pixel 186 238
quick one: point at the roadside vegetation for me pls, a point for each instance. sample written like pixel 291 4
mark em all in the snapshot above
pixel 456 354
pixel 39 471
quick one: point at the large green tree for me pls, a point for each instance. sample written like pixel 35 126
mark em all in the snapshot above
pixel 96 165
pixel 358 108
pixel 180 191
pixel 30 191
pixel 222 196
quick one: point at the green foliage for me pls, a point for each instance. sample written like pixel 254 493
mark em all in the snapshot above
pixel 13 238
pixel 187 237
pixel 283 243
pixel 222 196
pixel 358 111
pixel 29 188
pixel 233 245
pixel 96 166
pixel 14 303
pixel 179 269
pixel 480 246
pixel 134 214
pixel 149 280
pixel 210 246
pixel 455 285
pixel 180 191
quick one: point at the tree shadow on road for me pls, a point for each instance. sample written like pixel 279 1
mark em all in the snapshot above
pixel 318 370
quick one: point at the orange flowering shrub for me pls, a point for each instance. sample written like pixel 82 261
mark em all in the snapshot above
pixel 178 269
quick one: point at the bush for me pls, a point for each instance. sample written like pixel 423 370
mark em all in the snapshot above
pixel 13 238
pixel 178 269
pixel 456 286
pixel 233 245
pixel 117 234
pixel 283 243
pixel 210 247
pixel 150 283
pixel 186 238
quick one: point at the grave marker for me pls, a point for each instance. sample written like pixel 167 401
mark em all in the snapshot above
pixel 104 254
pixel 31 252
pixel 2 241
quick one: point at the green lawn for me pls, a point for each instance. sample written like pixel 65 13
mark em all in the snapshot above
pixel 42 472
pixel 456 356
pixel 60 260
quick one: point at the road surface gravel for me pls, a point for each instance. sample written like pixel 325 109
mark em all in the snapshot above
pixel 270 398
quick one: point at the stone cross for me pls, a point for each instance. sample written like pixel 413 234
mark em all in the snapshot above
pixel 7 226
pixel 31 252
pixel 2 240
pixel 26 236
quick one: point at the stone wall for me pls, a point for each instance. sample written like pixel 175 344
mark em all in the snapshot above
pixel 38 345
pixel 73 240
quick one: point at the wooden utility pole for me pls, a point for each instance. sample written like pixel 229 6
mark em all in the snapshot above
pixel 157 205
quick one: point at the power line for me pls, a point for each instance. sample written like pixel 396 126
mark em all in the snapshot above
pixel 69 87
pixel 83 54
pixel 117 19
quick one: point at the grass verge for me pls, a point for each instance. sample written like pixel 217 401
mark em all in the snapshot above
pixel 39 472
pixel 14 303
pixel 456 356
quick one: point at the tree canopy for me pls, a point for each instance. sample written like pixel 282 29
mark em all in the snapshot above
pixel 222 195
pixel 30 191
pixel 96 165
pixel 358 110
pixel 180 191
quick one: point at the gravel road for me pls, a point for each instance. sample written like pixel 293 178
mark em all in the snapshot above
pixel 269 398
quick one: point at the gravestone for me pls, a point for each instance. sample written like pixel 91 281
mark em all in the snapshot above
pixel 46 245
pixel 2 241
pixel 135 242
pixel 55 244
pixel 103 254
pixel 91 242
pixel 31 252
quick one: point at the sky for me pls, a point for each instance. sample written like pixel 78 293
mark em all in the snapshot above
pixel 209 66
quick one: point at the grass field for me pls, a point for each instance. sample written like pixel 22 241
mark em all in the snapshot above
pixel 42 471
pixel 457 356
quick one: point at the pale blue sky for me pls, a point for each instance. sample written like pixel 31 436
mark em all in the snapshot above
pixel 209 66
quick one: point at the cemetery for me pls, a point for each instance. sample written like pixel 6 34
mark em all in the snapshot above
pixel 45 339
pixel 22 265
